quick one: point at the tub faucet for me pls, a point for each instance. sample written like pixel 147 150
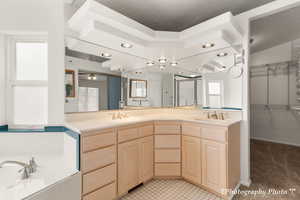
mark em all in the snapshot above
pixel 26 169
pixel 13 162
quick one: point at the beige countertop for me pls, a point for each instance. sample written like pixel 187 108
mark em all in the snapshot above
pixel 98 123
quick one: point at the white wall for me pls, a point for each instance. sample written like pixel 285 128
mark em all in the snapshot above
pixel 2 82
pixel 41 16
pixel 232 89
pixel 279 53
pixel 154 81
pixel 77 64
pixel 278 124
pixel 186 93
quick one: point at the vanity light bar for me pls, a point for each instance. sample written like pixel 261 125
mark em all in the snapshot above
pixel 92 77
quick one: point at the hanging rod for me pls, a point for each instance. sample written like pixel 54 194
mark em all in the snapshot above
pixel 291 63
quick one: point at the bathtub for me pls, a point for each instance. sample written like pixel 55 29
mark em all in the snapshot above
pixel 55 155
pixel 13 188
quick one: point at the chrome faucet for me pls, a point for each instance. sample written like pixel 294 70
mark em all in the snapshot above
pixel 26 170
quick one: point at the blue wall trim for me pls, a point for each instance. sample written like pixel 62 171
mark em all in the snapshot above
pixel 76 136
pixel 225 108
pixel 46 129
pixel 4 128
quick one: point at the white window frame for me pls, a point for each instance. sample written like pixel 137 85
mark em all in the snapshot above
pixel 221 82
pixel 13 82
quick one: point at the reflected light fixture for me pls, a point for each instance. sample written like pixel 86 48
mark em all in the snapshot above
pixel 161 67
pixel 162 60
pixel 150 63
pixel 208 45
pixel 222 54
pixel 126 45
pixel 92 77
pixel 106 55
pixel 173 63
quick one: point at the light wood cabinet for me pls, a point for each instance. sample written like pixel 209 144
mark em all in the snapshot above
pixel 146 158
pixel 107 192
pixel 98 178
pixel 98 164
pixel 128 166
pixel 167 149
pixel 191 159
pixel 135 157
pixel 214 166
pixel 113 161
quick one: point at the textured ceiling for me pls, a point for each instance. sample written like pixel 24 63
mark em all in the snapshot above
pixel 177 15
pixel 275 29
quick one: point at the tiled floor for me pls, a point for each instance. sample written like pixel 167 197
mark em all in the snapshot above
pixel 169 190
pixel 273 166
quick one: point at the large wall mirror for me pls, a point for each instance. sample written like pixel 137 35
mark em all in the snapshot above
pixel 105 79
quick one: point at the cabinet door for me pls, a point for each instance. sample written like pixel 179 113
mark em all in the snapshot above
pixel 146 158
pixel 214 165
pixel 191 159
pixel 128 166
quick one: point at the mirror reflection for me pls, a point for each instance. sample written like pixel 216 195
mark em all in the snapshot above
pixel 138 88
pixel 98 78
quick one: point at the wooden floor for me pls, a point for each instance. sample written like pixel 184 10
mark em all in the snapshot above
pixel 273 166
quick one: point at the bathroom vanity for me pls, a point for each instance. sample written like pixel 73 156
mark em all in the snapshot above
pixel 117 155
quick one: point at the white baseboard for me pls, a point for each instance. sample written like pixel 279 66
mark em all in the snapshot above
pixel 275 141
pixel 246 183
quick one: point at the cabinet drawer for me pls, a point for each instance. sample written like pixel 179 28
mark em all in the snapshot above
pixel 99 158
pixel 167 169
pixel 167 155
pixel 98 178
pixel 97 141
pixel 168 128
pixel 191 129
pixel 213 133
pixel 146 130
pixel 167 141
pixel 127 134
pixel 106 193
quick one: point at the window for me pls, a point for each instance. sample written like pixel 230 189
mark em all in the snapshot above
pixel 215 94
pixel 88 99
pixel 28 82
